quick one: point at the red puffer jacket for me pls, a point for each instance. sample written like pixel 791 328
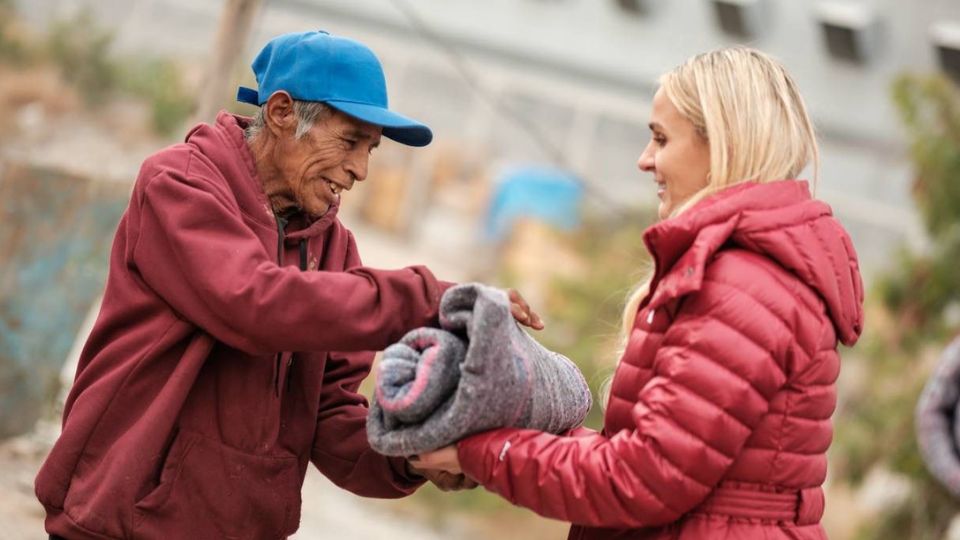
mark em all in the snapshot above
pixel 719 417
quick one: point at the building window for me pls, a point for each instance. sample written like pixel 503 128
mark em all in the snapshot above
pixel 636 7
pixel 842 42
pixel 849 31
pixel 739 18
pixel 946 40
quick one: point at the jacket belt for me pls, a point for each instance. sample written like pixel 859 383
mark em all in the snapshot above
pixel 802 507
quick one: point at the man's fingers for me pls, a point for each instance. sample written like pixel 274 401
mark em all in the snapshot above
pixel 519 313
pixel 445 481
pixel 417 463
pixel 536 323
pixel 526 317
pixel 517 298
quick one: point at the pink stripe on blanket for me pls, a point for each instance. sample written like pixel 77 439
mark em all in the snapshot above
pixel 419 383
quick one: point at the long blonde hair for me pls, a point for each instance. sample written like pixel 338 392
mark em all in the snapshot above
pixel 747 107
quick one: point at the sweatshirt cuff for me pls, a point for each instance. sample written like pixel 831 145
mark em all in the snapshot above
pixel 444 285
pixel 404 478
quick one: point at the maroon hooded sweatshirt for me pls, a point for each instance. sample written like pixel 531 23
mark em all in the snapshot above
pixel 186 419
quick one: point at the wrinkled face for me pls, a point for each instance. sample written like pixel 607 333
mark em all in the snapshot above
pixel 326 161
pixel 677 155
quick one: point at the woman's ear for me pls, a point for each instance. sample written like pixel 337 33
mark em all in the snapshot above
pixel 279 116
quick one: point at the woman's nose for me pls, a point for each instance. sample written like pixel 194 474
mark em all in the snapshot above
pixel 646 162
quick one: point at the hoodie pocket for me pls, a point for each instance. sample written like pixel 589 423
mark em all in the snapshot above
pixel 209 490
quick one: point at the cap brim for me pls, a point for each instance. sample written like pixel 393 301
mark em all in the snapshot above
pixel 395 126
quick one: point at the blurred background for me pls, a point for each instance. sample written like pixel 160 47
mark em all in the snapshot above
pixel 539 112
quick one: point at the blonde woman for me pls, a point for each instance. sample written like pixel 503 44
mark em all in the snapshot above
pixel 718 419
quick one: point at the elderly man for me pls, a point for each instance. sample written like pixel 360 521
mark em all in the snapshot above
pixel 187 419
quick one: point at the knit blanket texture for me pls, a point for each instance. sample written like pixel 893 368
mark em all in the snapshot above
pixel 477 372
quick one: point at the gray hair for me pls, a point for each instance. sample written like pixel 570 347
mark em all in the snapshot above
pixel 307 113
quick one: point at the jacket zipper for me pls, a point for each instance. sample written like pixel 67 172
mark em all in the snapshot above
pixel 281 225
pixel 303 267
pixel 278 363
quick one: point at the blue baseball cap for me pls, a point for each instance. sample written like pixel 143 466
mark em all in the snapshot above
pixel 341 72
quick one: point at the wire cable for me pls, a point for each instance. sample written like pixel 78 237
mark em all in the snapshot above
pixel 554 153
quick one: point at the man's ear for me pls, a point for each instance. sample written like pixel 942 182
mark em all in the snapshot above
pixel 278 114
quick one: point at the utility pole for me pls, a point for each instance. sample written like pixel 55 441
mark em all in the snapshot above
pixel 235 24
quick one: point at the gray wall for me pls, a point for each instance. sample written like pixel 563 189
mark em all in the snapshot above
pixel 582 72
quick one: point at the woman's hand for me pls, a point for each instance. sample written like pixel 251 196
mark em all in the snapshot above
pixel 444 459
pixel 521 311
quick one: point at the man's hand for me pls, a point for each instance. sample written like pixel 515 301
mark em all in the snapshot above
pixel 444 480
pixel 449 482
pixel 522 312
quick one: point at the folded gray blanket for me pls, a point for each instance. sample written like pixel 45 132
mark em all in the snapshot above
pixel 480 371
pixel 938 420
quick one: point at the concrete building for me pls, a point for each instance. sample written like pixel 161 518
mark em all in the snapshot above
pixel 582 73
pixel 569 82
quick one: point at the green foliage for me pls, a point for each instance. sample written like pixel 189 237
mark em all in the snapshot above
pixel 930 108
pixel 924 516
pixel 585 313
pixel 80 50
pixel 924 285
pixel 12 49
pixel 159 82
pixel 876 427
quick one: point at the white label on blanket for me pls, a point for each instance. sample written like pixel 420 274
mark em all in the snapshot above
pixel 503 452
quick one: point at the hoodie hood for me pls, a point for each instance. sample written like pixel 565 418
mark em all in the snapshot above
pixel 779 220
pixel 224 145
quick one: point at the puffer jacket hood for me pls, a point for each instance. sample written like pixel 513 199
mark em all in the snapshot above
pixel 779 220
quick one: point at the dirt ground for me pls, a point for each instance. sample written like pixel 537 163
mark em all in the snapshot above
pixel 328 512
pixel 20 512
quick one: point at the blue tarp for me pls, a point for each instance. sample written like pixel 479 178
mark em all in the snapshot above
pixel 548 194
